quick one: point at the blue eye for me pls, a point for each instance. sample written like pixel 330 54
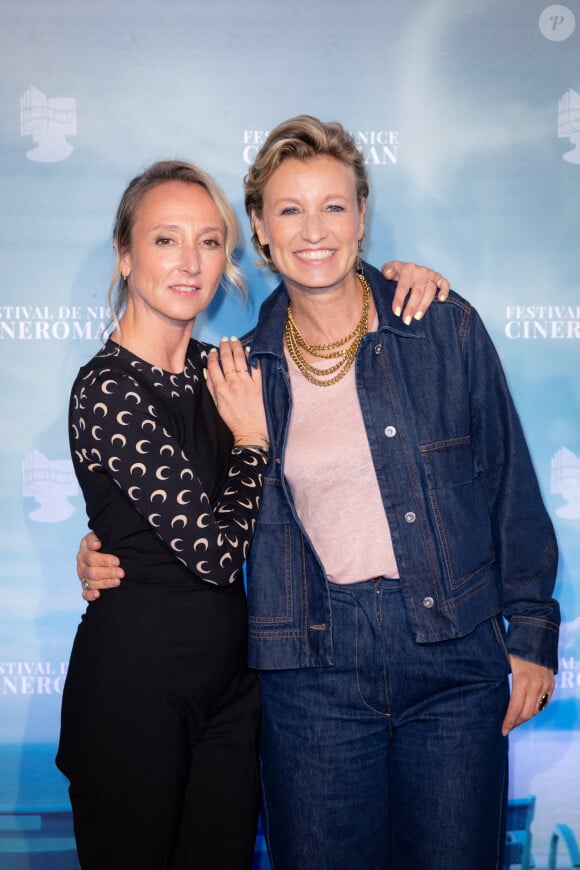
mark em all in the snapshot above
pixel 290 210
pixel 335 208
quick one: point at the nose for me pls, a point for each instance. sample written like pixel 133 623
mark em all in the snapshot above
pixel 313 229
pixel 190 261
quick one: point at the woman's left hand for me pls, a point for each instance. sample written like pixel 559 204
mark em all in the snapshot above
pixel 418 285
pixel 530 683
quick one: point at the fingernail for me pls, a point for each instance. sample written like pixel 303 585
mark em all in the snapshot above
pixel 224 338
pixel 418 315
pixel 442 297
pixel 233 338
pixel 398 311
pixel 213 350
pixel 407 320
pixel 389 271
pixel 205 373
pixel 247 348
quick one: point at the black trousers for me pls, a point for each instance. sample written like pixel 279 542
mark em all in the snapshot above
pixel 159 734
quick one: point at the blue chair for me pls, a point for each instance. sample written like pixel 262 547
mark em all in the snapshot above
pixel 518 847
pixel 37 838
pixel 564 834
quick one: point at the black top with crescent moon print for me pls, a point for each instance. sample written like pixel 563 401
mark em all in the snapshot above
pixel 165 489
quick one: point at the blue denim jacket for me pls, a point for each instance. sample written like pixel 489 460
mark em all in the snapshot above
pixel 470 532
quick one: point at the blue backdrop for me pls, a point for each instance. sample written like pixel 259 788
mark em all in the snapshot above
pixel 468 115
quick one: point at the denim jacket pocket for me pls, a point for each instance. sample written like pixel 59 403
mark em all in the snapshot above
pixel 458 507
pixel 271 603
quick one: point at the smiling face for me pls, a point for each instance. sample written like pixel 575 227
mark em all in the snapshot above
pixel 312 222
pixel 176 254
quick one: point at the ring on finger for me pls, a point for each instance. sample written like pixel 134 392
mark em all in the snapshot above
pixel 542 702
pixel 85 584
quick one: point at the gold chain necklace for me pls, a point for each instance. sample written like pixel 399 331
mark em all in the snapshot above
pixel 340 350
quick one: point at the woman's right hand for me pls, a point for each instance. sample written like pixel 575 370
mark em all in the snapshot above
pixel 101 570
pixel 236 390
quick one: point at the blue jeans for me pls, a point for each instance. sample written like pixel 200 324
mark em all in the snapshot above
pixel 392 759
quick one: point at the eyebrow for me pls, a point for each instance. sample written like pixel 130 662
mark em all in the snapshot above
pixel 208 229
pixel 297 200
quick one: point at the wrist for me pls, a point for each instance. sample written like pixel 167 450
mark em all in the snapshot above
pixel 250 439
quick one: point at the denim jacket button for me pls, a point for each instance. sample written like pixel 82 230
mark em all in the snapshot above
pixel 377 348
pixel 428 602
pixel 390 431
pixel 410 517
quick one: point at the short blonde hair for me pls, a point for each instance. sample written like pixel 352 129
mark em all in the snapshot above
pixel 159 173
pixel 300 138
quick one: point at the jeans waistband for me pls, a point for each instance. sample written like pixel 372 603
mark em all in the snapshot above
pixel 372 583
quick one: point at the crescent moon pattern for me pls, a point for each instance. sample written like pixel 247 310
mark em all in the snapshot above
pixel 111 411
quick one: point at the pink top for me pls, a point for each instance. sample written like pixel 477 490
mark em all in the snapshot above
pixel 330 472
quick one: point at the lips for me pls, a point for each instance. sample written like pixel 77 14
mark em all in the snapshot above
pixel 315 255
pixel 183 288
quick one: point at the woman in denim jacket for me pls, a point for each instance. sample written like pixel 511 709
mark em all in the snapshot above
pixel 401 522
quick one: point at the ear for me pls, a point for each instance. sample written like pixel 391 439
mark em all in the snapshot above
pixel 259 229
pixel 361 219
pixel 124 263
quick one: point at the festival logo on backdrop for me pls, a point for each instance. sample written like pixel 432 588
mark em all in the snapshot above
pixel 569 123
pixel 565 481
pixel 378 147
pixel 49 120
pixel 50 482
pixel 542 322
